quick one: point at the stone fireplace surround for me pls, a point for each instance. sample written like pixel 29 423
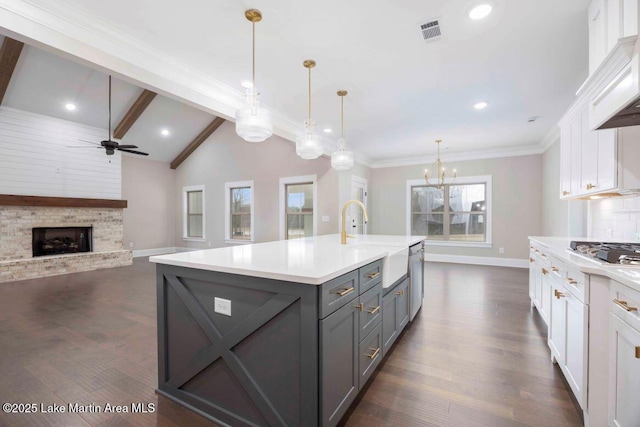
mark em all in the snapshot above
pixel 17 222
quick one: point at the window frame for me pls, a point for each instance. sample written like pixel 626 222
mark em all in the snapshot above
pixel 185 213
pixel 466 180
pixel 228 186
pixel 282 216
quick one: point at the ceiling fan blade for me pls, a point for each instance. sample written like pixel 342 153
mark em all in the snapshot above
pixel 127 146
pixel 90 142
pixel 79 146
pixel 132 151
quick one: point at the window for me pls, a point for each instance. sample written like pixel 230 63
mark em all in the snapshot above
pixel 193 212
pixel 239 211
pixel 459 213
pixel 298 207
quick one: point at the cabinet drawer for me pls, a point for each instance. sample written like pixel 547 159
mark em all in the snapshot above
pixel 577 283
pixel 370 309
pixel 625 303
pixel 370 354
pixel 370 275
pixel 337 292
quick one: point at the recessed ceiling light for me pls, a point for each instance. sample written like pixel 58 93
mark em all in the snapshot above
pixel 165 132
pixel 480 106
pixel 480 11
pixel 327 130
pixel 70 106
pixel 247 84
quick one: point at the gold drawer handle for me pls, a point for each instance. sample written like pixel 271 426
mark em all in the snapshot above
pixel 531 260
pixel 571 281
pixel 373 275
pixel 566 193
pixel 624 305
pixel 638 352
pixel 401 293
pixel 554 269
pixel 544 271
pixel 375 310
pixel 591 186
pixel 558 294
pixel 374 354
pixel 537 251
pixel 346 291
pixel 359 306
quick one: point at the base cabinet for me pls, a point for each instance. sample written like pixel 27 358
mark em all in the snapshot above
pixel 396 314
pixel 624 374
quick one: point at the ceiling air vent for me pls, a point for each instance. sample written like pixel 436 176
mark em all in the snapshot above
pixel 430 30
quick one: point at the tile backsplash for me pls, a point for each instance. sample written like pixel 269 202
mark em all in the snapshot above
pixel 615 219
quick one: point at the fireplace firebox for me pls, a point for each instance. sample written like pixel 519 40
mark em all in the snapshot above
pixel 61 240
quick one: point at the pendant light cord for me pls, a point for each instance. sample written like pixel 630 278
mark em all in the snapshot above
pixel 253 50
pixel 309 95
pixel 109 107
pixel 342 123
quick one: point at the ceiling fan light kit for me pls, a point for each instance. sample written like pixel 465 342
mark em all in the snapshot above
pixel 308 143
pixel 253 122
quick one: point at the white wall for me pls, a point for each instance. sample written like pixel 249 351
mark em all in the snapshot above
pixel 616 219
pixel 516 194
pixel 149 188
pixel 35 160
pixel 224 157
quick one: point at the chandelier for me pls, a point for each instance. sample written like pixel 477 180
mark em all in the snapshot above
pixel 253 123
pixel 438 175
pixel 308 144
pixel 342 159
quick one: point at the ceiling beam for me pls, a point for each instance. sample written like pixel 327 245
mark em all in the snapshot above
pixel 206 133
pixel 134 113
pixel 9 54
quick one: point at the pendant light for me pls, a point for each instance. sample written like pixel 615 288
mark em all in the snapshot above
pixel 253 123
pixel 308 144
pixel 342 159
pixel 439 170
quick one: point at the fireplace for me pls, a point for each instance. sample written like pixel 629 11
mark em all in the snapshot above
pixel 61 240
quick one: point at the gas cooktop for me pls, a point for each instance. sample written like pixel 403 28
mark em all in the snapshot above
pixel 614 253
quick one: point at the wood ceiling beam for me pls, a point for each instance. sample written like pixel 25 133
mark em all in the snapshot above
pixel 206 133
pixel 134 113
pixel 9 55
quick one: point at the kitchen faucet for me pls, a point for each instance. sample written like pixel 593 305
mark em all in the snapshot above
pixel 343 233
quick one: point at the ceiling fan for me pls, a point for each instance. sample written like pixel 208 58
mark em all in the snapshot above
pixel 109 145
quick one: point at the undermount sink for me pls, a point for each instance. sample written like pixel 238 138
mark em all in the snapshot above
pixel 394 264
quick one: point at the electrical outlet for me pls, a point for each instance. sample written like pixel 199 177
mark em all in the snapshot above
pixel 222 306
pixel 501 250
pixel 325 218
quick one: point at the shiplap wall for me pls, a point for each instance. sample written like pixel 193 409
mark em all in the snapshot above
pixel 35 159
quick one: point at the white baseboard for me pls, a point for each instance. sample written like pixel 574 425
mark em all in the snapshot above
pixel 478 260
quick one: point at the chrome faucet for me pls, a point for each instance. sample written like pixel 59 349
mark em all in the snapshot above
pixel 343 233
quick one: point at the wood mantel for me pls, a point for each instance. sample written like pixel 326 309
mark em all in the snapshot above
pixel 60 202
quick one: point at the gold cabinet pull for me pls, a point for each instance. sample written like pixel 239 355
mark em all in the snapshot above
pixel 624 305
pixel 346 291
pixel 374 354
pixel 531 260
pixel 545 271
pixel 373 275
pixel 401 293
pixel 374 310
pixel 638 352
pixel 554 269
pixel 558 294
pixel 571 281
pixel 359 306
pixel 591 186
pixel 537 251
pixel 566 193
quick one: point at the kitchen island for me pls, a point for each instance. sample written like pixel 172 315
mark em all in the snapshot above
pixel 281 333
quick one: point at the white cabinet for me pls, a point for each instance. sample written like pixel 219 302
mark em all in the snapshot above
pixel 597 34
pixel 540 282
pixel 568 338
pixel 565 162
pixel 609 21
pixel 624 374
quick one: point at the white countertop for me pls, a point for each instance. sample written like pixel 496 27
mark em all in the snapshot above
pixel 312 260
pixel 559 246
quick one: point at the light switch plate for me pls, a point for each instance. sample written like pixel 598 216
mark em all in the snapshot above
pixel 222 306
pixel 325 218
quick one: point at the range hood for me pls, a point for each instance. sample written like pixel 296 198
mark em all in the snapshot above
pixel 628 116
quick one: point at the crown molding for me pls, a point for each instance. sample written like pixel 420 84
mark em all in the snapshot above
pixel 63 29
pixel 462 156
pixel 550 138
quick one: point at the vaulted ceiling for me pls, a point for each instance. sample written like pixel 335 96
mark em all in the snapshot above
pixel 525 60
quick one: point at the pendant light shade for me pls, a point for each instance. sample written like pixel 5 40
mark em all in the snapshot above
pixel 253 123
pixel 308 143
pixel 342 159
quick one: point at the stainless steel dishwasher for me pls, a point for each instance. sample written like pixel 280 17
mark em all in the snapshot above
pixel 416 276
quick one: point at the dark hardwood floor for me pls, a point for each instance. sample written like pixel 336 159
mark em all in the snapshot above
pixel 476 355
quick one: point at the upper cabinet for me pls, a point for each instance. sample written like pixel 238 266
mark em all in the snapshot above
pixel 597 34
pixel 609 21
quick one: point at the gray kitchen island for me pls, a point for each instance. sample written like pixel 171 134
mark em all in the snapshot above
pixel 282 333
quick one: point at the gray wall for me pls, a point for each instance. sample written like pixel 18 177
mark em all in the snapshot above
pixel 149 188
pixel 516 193
pixel 224 157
